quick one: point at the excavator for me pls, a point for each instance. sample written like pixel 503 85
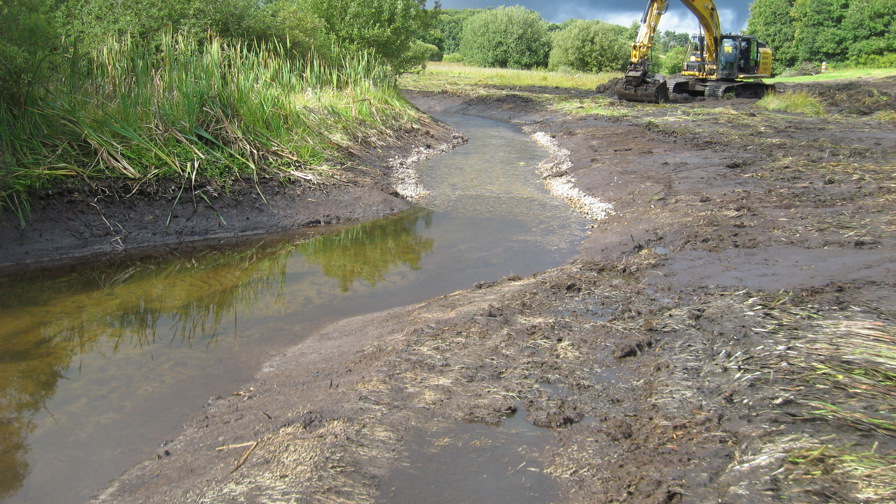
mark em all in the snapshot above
pixel 720 64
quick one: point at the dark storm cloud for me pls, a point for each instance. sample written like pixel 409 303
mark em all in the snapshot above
pixel 732 13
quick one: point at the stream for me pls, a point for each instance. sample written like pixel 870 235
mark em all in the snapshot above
pixel 101 362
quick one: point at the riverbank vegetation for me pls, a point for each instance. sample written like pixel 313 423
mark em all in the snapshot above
pixel 801 33
pixel 92 90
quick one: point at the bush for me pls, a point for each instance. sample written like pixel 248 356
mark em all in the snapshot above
pixel 806 68
pixel 875 61
pixel 671 62
pixel 28 51
pixel 453 58
pixel 389 28
pixel 513 37
pixel 428 52
pixel 589 46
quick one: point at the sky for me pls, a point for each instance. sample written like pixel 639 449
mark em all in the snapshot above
pixel 732 13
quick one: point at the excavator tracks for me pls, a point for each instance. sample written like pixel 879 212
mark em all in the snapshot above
pixel 740 89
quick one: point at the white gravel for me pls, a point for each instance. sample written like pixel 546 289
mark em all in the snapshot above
pixel 404 176
pixel 561 184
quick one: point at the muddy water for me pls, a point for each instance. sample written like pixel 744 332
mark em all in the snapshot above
pixel 101 363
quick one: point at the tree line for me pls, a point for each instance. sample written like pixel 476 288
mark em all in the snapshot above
pixel 857 32
pixel 517 37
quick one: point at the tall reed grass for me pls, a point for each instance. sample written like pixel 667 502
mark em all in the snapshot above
pixel 186 107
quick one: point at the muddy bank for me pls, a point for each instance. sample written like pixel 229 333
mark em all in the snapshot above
pixel 78 221
pixel 726 335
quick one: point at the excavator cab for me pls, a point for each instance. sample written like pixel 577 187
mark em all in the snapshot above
pixel 740 57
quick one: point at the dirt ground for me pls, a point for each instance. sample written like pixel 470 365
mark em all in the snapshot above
pixel 725 335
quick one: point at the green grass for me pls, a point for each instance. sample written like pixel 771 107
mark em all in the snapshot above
pixel 184 107
pixel 462 78
pixel 596 105
pixel 852 73
pixel 798 102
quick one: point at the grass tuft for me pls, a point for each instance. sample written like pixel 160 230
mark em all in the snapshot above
pixel 799 103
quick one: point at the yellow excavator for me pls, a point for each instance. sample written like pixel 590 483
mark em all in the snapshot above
pixel 719 64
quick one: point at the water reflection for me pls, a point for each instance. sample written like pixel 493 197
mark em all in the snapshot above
pixel 47 323
pixel 200 324
pixel 368 251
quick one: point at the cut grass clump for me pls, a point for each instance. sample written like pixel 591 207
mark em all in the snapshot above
pixel 596 105
pixel 187 107
pixel 873 475
pixel 798 103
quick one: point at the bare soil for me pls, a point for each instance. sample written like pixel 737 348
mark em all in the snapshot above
pixel 726 335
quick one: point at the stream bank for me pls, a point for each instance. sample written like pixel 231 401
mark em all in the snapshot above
pixel 706 345
pixel 76 221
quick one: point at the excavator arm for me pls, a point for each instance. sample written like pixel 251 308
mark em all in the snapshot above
pixel 639 84
pixel 708 17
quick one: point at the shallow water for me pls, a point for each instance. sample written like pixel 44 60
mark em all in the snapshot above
pixel 102 362
pixel 475 463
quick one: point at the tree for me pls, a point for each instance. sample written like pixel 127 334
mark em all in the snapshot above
pixel 513 37
pixel 28 46
pixel 870 25
pixel 291 22
pixel 590 46
pixel 448 28
pixel 389 27
pixel 820 34
pixel 773 23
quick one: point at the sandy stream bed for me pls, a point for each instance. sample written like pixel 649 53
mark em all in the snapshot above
pixel 724 335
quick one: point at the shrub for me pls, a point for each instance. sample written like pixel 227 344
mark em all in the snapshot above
pixel 429 52
pixel 590 46
pixel 453 58
pixel 513 37
pixel 806 68
pixel 670 62
pixel 887 60
pixel 389 28
pixel 28 51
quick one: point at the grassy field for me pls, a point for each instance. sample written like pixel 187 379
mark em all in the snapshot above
pixel 852 73
pixel 466 79
pixel 184 108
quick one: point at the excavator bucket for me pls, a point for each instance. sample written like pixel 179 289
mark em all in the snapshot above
pixel 651 91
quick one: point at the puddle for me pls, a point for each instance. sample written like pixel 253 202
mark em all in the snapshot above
pixel 474 463
pixel 102 362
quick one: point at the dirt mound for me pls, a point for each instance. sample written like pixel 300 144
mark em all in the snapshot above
pixel 858 97
pixel 607 89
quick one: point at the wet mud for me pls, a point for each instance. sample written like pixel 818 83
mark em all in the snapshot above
pixel 726 335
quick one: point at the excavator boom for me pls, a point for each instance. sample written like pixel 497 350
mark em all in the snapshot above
pixel 713 70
